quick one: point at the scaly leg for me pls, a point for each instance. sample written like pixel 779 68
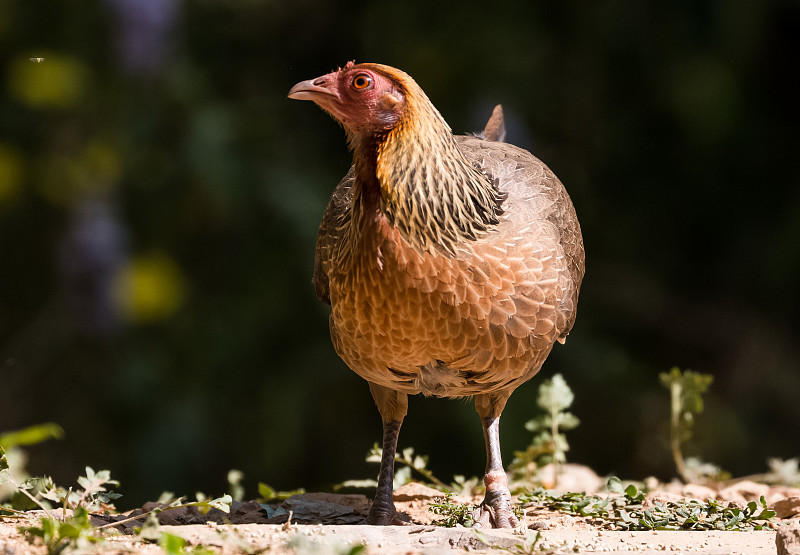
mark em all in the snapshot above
pixel 495 511
pixel 383 511
pixel 393 407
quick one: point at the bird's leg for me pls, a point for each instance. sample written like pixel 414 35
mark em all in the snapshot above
pixel 393 407
pixel 497 502
pixel 383 511
pixel 495 511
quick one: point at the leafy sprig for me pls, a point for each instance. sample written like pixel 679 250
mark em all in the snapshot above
pixel 453 512
pixel 549 444
pixel 627 511
pixel 406 463
pixel 686 401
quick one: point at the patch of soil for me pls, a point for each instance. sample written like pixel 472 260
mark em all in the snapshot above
pixel 327 523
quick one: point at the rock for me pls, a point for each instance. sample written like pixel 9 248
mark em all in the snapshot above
pixel 250 512
pixel 322 508
pixel 571 477
pixel 786 491
pixel 787 541
pixel 786 508
pixel 415 491
pixel 743 492
pixel 348 500
pixel 172 517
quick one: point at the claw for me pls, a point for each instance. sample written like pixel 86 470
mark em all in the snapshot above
pixel 495 511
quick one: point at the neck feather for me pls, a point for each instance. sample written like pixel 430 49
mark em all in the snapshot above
pixel 420 179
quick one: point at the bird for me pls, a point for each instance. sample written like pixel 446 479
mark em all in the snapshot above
pixel 451 263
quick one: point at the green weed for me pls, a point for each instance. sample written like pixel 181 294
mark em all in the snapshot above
pixel 626 510
pixel 686 401
pixel 783 472
pixel 549 444
pixel 59 532
pixel 453 512
pixel 57 535
pixel 15 484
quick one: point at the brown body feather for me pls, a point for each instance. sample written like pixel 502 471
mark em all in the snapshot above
pixel 481 319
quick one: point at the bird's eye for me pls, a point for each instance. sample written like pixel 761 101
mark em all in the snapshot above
pixel 362 81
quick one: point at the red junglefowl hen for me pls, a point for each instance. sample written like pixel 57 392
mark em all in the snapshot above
pixel 451 263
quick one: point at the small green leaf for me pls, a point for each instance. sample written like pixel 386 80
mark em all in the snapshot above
pixel 171 544
pixel 268 493
pixel 5 474
pixel 166 498
pixel 481 537
pixel 402 477
pixel 567 421
pixel 375 454
pixel 235 486
pixel 367 483
pixel 614 485
pixel 555 394
pixel 222 503
pixel 31 435
pixel 150 530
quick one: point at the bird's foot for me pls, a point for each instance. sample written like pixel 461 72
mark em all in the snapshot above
pixel 386 516
pixel 495 511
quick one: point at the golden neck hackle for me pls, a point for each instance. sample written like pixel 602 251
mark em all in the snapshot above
pixel 419 178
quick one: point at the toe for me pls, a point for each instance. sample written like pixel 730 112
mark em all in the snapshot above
pixel 482 517
pixel 496 512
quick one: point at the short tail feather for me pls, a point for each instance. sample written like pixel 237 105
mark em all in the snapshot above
pixel 495 129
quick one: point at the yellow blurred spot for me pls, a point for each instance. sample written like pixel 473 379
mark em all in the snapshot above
pixel 58 82
pixel 149 288
pixel 10 173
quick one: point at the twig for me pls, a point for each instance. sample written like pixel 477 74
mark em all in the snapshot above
pixel 31 497
pixel 156 510
pixel 424 471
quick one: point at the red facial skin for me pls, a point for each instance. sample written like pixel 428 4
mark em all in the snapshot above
pixel 360 97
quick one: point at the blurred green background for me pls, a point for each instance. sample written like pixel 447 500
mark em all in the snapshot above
pixel 160 195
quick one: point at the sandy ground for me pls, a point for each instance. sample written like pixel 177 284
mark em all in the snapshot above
pixel 323 523
pixel 253 538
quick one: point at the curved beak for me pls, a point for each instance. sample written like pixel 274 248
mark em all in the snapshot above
pixel 313 89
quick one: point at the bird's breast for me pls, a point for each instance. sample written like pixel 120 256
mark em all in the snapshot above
pixel 444 325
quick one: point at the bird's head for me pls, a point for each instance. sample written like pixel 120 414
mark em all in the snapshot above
pixel 367 99
pixel 407 162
